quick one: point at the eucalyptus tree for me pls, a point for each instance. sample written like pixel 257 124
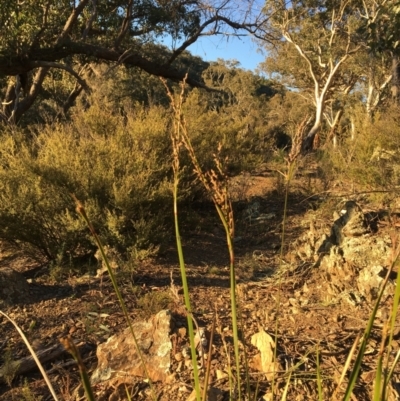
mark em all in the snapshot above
pixel 329 49
pixel 318 41
pixel 74 35
pixel 381 28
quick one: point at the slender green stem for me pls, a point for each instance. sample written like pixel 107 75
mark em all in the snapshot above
pixel 210 348
pixel 186 291
pixel 81 210
pixel 233 296
pixel 394 364
pixel 319 378
pixel 291 168
pixel 393 319
pixel 357 364
pixel 176 140
pixel 70 346
pixel 378 389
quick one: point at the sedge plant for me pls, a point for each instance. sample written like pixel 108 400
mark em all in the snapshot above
pixel 177 143
pixel 81 211
pixel 389 329
pixel 291 164
pixel 384 373
pixel 215 183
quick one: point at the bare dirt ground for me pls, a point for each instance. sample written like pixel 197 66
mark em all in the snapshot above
pixel 281 294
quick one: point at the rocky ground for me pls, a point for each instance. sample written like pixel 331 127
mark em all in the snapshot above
pixel 314 298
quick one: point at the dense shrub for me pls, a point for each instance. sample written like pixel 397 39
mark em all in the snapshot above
pixel 113 152
pixel 241 134
pixel 370 157
pixel 118 168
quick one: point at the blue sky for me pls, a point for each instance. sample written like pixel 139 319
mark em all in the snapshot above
pixel 243 49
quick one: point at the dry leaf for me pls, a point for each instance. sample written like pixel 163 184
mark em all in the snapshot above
pixel 266 345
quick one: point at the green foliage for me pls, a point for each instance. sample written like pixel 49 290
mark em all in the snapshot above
pixel 147 35
pixel 28 394
pixel 328 53
pixel 25 24
pixel 9 368
pixel 118 88
pixel 237 87
pixel 114 154
pixel 237 117
pixel 120 171
pixel 371 158
pixel 381 35
pixel 152 302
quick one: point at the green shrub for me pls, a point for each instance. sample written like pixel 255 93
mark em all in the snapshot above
pixel 371 159
pixel 119 166
pixel 119 169
pixel 152 302
pixel 239 133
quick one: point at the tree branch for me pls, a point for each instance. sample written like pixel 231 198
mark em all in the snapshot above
pixel 34 91
pixel 125 25
pixel 191 40
pixel 36 86
pixel 9 99
pixel 87 70
pixel 71 21
pixel 64 67
pixel 91 19
pixel 16 65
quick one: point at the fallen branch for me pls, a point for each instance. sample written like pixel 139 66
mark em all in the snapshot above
pixel 51 353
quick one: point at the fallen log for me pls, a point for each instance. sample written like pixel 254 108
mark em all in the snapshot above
pixel 27 364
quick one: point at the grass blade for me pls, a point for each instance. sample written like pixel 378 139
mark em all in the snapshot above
pixel 34 356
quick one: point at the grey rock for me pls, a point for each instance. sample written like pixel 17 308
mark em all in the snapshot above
pixel 118 357
pixel 351 223
pixel 13 287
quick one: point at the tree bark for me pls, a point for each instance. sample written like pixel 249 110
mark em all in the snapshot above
pixel 9 99
pixel 34 91
pixel 308 141
pixel 395 88
pixel 16 65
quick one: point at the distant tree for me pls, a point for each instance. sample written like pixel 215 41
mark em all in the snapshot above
pixel 316 44
pixel 330 50
pixel 236 86
pixel 236 116
pixel 381 28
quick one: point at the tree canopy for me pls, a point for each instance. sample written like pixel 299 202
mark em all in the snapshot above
pixel 328 49
pixel 39 35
